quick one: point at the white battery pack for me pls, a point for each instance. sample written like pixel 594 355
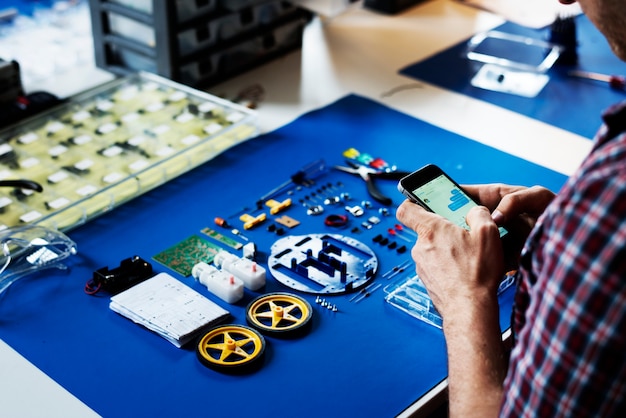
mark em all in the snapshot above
pixel 222 284
pixel 249 272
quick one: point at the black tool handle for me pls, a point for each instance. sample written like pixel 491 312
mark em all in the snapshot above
pixel 375 193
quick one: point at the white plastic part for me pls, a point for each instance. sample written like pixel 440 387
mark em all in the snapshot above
pixel 249 272
pixel 222 284
pixel 249 251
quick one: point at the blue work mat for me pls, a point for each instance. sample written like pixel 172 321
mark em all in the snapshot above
pixel 26 7
pixel 567 102
pixel 367 359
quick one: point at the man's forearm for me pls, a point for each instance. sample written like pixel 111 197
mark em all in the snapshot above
pixel 476 359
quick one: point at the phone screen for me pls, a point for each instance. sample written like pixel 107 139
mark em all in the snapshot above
pixel 445 198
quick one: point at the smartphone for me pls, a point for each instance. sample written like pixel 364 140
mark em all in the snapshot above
pixel 435 191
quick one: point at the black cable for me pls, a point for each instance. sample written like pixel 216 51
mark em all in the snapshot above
pixel 22 184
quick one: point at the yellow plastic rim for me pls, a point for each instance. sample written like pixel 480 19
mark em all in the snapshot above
pixel 279 312
pixel 230 346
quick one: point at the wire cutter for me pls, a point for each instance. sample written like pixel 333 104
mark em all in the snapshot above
pixel 369 175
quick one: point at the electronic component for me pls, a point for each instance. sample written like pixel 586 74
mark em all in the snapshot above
pixel 169 308
pixel 183 256
pixel 355 210
pixel 336 221
pixel 221 283
pixel 249 272
pixel 131 271
pixel 305 176
pixel 222 239
pixel 321 263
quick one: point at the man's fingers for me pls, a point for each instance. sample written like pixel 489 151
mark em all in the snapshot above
pixel 480 221
pixel 531 201
pixel 416 217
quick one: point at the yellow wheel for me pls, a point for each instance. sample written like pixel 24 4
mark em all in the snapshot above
pixel 230 347
pixel 279 314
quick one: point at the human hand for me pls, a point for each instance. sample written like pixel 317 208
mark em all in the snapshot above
pixel 512 203
pixel 515 207
pixel 457 266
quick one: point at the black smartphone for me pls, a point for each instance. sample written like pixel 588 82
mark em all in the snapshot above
pixel 431 188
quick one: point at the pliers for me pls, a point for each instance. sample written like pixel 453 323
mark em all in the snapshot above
pixel 369 175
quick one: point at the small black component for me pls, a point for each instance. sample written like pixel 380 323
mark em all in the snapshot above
pixel 563 33
pixel 27 106
pixel 401 249
pixel 384 241
pixel 390 6
pixel 392 245
pixel 377 238
pixel 131 271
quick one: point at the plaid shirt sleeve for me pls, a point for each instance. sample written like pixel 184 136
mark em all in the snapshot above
pixel 569 320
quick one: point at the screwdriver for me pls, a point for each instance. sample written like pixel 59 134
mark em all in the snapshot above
pixel 615 81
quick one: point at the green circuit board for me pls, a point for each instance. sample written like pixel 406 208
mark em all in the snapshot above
pixel 183 256
pixel 111 144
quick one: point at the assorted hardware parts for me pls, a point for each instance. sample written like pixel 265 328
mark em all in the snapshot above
pixel 322 263
pixel 279 314
pixel 305 176
pixel 231 347
pixel 249 272
pixel 366 292
pixel 276 206
pixel 250 221
pixel 131 271
pixel 222 284
pixel 249 251
pixel 287 221
pixel 325 304
pixel 110 144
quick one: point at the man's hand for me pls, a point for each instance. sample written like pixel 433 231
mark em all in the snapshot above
pixel 512 204
pixel 452 262
pixel 462 270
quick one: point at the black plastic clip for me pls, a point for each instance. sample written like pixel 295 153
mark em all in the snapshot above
pixel 131 271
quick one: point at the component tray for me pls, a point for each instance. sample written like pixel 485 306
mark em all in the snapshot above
pixel 110 144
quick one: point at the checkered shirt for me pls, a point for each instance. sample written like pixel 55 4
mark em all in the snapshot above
pixel 569 319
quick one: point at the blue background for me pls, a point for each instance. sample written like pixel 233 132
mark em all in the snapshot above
pixel 567 102
pixel 367 359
